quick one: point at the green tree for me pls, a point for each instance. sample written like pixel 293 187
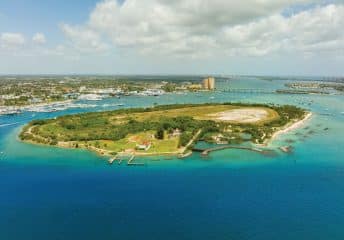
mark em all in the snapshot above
pixel 159 133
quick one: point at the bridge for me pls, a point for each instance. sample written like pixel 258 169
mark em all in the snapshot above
pixel 249 90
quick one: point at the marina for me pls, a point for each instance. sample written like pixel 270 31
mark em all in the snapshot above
pixel 46 107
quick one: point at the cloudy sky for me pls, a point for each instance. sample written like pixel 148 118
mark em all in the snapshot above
pixel 263 37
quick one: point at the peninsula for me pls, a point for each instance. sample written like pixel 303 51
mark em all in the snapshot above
pixel 164 129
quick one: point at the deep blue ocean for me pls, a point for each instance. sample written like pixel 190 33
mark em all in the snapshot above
pixel 52 193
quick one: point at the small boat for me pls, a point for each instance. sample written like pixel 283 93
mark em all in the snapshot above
pixel 286 149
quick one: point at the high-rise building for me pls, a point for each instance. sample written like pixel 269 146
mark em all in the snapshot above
pixel 209 83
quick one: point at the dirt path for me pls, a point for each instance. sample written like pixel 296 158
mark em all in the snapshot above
pixel 29 130
pixel 192 140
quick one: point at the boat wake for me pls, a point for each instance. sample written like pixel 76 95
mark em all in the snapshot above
pixel 8 124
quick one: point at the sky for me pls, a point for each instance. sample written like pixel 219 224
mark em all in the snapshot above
pixel 251 37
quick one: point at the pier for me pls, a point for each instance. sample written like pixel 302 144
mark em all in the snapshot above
pixel 111 160
pixel 184 155
pixel 130 162
pixel 120 159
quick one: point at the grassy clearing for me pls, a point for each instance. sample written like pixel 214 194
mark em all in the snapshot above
pixel 130 142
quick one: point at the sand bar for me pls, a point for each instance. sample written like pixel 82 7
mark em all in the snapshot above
pixel 243 115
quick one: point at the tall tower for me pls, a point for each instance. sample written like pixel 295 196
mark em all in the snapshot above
pixel 205 83
pixel 209 83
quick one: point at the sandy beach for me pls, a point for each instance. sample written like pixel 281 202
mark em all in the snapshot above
pixel 289 127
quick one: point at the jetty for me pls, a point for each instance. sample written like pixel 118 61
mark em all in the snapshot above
pixel 205 152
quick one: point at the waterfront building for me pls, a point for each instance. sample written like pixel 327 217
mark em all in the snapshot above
pixel 144 146
pixel 209 83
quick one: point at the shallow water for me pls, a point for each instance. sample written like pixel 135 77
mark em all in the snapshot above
pixel 52 193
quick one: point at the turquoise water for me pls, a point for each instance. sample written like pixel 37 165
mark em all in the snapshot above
pixel 52 193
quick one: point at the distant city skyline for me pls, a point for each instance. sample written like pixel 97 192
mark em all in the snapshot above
pixel 153 37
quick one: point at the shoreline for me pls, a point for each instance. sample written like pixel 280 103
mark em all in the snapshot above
pixel 288 128
pixel 106 153
pixel 103 152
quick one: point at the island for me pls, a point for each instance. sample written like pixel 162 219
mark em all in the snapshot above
pixel 164 129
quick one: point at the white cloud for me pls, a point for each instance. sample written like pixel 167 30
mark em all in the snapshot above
pixel 39 38
pixel 84 39
pixel 203 28
pixel 11 40
pixel 309 31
